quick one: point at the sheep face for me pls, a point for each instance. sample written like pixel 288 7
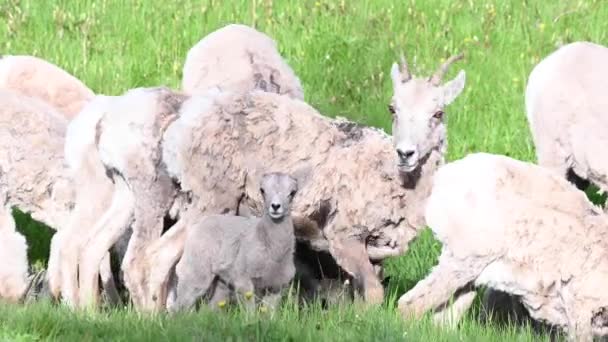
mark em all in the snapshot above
pixel 278 191
pixel 417 107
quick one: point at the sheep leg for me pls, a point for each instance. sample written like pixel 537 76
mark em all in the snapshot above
pixel 164 253
pixel 445 279
pixel 69 245
pixel 14 271
pixel 106 231
pixel 245 294
pixel 191 285
pixel 221 295
pixel 154 200
pixel 107 281
pixel 53 268
pixel 351 255
pixel 451 315
pixel 272 299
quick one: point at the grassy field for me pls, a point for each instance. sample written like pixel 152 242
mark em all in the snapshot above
pixel 342 51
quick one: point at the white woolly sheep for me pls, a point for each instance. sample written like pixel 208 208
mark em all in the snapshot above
pixel 521 229
pixel 41 79
pixel 156 166
pixel 31 179
pixel 247 255
pixel 565 105
pixel 238 58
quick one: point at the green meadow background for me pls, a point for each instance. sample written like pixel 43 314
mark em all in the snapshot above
pixel 342 51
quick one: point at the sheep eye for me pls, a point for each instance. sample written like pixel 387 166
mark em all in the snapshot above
pixel 262 191
pixel 438 115
pixel 292 194
pixel 391 109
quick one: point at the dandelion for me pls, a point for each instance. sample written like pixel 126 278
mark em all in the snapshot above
pixel 221 303
pixel 541 27
pixel 263 309
pixel 248 295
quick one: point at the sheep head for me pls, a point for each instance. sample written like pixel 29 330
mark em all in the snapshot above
pixel 417 107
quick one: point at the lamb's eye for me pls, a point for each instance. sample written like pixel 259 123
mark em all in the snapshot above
pixel 292 194
pixel 391 109
pixel 438 115
pixel 262 191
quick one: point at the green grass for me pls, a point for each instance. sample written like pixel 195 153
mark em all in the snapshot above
pixel 342 51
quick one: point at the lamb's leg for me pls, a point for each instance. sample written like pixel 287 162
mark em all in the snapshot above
pixel 351 254
pixel 13 254
pixel 191 284
pixel 107 281
pixel 445 279
pixel 221 295
pixel 106 232
pixel 69 246
pixel 272 299
pixel 245 294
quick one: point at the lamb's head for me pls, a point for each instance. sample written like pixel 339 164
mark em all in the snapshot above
pixel 417 107
pixel 278 191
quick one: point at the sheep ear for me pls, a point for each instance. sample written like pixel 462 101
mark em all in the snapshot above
pixel 453 88
pixel 395 75
pixel 302 175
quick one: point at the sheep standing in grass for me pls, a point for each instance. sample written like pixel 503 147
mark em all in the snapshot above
pixel 238 58
pixel 566 103
pixel 31 178
pixel 174 161
pixel 249 255
pixel 38 78
pixel 522 229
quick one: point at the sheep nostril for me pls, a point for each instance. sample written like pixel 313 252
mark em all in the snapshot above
pixel 275 206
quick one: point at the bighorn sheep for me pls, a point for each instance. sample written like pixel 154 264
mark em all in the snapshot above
pixel 38 78
pixel 31 178
pixel 226 253
pixel 238 58
pixel 518 228
pixel 565 105
pixel 175 136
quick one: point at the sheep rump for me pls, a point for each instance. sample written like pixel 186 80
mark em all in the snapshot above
pixel 565 105
pixel 520 229
pixel 41 79
pixel 238 58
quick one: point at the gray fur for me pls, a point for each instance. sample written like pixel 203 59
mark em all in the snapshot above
pixel 225 254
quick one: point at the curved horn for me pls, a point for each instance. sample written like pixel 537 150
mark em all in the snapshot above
pixel 438 75
pixel 405 73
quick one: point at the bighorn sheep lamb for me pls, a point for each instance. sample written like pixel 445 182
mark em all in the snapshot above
pixel 238 58
pixel 38 78
pixel 565 105
pixel 175 136
pixel 522 229
pixel 245 254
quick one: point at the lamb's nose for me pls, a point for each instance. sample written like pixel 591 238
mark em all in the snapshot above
pixel 275 206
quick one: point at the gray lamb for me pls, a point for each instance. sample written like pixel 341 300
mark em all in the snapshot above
pixel 228 255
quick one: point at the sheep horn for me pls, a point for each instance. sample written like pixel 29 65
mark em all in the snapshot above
pixel 405 74
pixel 438 75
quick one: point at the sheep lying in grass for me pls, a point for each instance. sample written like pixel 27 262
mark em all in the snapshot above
pixel 238 58
pixel 522 229
pixel 38 78
pixel 248 255
pixel 565 104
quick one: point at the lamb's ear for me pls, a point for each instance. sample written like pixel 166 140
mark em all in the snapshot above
pixel 252 168
pixel 453 88
pixel 302 175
